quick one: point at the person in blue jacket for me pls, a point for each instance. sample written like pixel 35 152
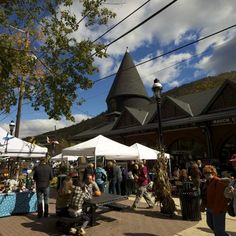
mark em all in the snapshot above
pixel 100 177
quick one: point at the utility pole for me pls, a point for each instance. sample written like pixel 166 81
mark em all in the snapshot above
pixel 21 92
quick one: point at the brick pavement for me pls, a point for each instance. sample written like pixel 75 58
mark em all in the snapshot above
pixel 143 222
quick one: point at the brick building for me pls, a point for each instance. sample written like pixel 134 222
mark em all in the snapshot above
pixel 195 126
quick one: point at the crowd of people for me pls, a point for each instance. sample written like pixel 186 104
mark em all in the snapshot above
pixel 215 191
pixel 134 179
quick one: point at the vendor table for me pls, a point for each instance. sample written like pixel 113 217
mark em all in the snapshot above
pixel 15 203
pixel 103 200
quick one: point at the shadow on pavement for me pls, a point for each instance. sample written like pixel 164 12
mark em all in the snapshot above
pixel 44 225
pixel 140 234
pixel 154 213
pixel 205 229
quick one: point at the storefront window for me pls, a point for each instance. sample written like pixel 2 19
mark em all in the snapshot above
pixel 186 150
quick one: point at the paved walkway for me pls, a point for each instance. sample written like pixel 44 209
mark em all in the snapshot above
pixel 143 222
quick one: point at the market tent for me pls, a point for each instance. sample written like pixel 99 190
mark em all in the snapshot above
pixel 59 157
pixel 15 147
pixel 147 153
pixel 102 146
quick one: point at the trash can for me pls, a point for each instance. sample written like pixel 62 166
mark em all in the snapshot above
pixel 190 204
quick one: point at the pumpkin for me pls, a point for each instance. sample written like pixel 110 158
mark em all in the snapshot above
pixel 97 193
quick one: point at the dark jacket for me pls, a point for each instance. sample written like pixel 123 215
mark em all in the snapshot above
pixel 42 176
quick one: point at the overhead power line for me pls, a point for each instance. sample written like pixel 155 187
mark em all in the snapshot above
pixel 114 26
pixel 171 51
pixel 143 22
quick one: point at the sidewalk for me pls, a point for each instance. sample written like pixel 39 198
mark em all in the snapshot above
pixel 201 228
pixel 143 222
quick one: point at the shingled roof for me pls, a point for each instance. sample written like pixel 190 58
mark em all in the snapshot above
pixel 127 81
pixel 198 101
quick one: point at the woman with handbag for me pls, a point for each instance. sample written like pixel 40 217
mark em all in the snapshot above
pixel 216 203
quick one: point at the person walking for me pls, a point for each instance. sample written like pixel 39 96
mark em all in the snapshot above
pixel 42 176
pixel 142 181
pixel 216 203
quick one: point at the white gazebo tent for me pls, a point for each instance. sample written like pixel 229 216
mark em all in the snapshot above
pixel 147 153
pixel 14 147
pixel 102 146
pixel 60 157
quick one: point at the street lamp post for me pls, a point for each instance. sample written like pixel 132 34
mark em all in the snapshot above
pixel 162 186
pixel 11 127
pixel 156 88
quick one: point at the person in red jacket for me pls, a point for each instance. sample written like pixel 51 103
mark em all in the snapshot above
pixel 142 180
pixel 216 203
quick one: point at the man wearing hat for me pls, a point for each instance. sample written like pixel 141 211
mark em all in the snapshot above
pixel 230 191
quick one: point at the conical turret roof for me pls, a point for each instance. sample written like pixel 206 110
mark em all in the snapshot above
pixel 127 81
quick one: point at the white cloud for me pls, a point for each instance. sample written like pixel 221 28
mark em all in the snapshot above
pixel 222 59
pixel 38 126
pixel 180 23
pixel 156 68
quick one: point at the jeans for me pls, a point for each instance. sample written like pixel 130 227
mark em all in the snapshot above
pixel 43 194
pixel 142 192
pixel 216 222
pixel 116 186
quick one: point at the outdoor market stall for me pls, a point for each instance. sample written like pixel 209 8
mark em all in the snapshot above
pixel 146 153
pixel 17 159
pixel 15 203
pixel 102 146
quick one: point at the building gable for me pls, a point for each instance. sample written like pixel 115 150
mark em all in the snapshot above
pixel 224 99
pixel 126 120
pixel 172 109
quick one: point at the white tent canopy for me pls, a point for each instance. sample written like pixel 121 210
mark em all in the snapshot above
pixel 15 147
pixel 59 157
pixel 147 153
pixel 102 146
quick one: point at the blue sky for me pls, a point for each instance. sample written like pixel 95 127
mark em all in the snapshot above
pixel 181 23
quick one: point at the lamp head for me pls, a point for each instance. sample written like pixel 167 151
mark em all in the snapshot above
pixel 12 126
pixel 156 88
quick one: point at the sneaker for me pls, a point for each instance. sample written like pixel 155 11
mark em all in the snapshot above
pixel 134 208
pixel 73 231
pixel 82 232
